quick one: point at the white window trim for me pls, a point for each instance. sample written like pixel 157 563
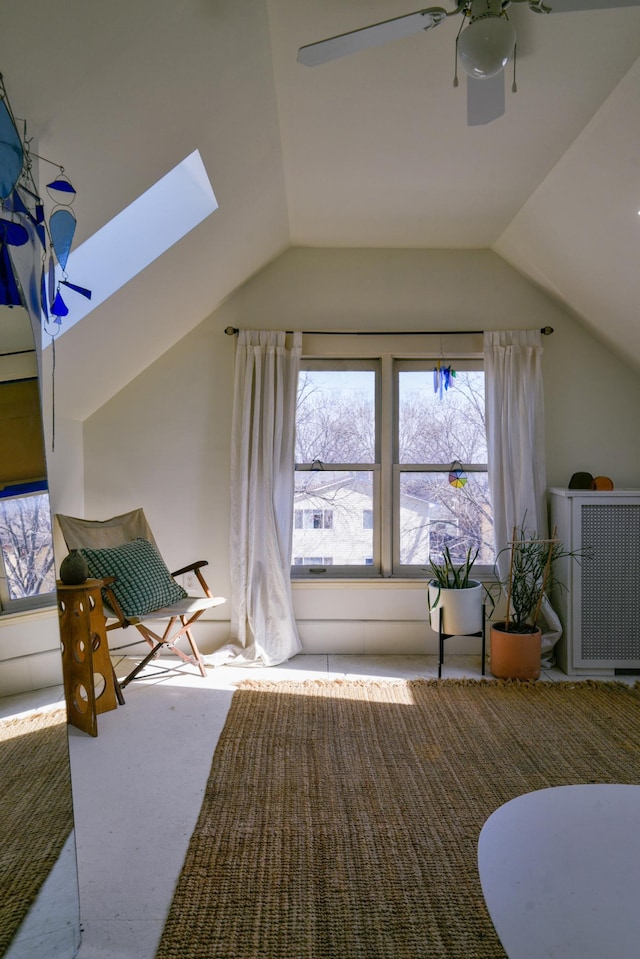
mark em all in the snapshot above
pixel 461 363
pixel 11 607
pixel 364 352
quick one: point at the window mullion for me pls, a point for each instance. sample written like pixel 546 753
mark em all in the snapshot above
pixel 386 439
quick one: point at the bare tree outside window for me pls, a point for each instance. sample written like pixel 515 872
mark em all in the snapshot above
pixel 27 545
pixel 337 439
pixel 335 417
pixel 436 432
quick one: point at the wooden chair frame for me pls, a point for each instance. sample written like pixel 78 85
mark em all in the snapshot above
pixel 182 615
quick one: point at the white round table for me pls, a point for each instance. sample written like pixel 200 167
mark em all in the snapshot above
pixel 560 873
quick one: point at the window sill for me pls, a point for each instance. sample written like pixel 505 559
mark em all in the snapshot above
pixel 35 612
pixel 370 582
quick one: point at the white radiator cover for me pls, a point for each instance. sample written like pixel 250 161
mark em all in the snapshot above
pixel 600 608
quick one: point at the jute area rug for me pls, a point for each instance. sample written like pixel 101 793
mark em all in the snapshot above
pixel 35 810
pixel 341 819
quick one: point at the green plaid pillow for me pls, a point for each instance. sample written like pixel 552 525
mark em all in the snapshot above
pixel 143 582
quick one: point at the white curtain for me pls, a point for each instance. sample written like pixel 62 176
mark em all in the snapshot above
pixel 263 626
pixel 515 430
pixel 515 439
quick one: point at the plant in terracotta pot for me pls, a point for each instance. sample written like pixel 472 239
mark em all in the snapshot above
pixel 516 641
pixel 454 596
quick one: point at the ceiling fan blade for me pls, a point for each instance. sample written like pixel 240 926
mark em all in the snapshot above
pixel 378 33
pixel 569 6
pixel 485 99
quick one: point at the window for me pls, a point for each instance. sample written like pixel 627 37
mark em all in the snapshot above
pixel 434 509
pixel 313 519
pixel 27 572
pixel 336 440
pixel 375 446
pixel 27 576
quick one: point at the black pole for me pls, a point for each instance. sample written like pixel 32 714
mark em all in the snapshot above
pixel 232 330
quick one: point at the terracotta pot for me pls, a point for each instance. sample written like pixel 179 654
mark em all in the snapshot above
pixel 461 609
pixel 515 655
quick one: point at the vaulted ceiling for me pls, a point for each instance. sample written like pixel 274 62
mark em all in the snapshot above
pixel 369 150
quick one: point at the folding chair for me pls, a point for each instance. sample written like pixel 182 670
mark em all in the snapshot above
pixel 137 585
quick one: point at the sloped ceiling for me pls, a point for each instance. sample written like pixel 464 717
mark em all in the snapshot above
pixel 578 236
pixel 370 150
pixel 120 93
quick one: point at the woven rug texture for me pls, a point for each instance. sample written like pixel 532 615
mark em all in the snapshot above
pixel 37 811
pixel 341 819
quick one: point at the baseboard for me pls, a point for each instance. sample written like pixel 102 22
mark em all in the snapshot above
pixel 379 637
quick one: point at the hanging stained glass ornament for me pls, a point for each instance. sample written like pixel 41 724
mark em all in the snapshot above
pixel 11 152
pixel 457 475
pixel 59 307
pixel 16 204
pixel 51 278
pixel 62 227
pixel 44 299
pixel 11 234
pixel 24 221
pixel 442 377
pixel 60 190
pixel 27 223
pixel 82 290
pixel 9 290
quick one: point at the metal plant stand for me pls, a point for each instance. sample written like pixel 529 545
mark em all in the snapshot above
pixel 442 636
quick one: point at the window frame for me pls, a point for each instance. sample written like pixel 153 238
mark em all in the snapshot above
pixel 462 364
pixel 9 606
pixel 386 471
pixel 361 571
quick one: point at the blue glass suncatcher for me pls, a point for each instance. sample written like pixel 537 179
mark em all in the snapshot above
pixel 442 377
pixel 11 152
pixel 23 220
pixel 62 227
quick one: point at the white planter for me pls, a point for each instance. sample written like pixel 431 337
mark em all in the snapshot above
pixel 461 609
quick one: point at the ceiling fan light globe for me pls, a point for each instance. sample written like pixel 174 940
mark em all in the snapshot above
pixel 486 46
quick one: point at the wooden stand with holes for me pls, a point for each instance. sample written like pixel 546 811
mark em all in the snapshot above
pixel 90 686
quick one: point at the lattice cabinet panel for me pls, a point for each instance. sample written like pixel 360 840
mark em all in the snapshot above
pixel 600 607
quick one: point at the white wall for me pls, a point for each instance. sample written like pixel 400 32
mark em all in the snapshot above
pixel 29 651
pixel 30 641
pixel 65 465
pixel 163 442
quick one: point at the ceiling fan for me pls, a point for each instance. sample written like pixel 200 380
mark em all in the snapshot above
pixel 484 46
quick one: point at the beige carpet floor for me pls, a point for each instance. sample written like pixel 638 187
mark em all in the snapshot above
pixel 36 810
pixel 341 819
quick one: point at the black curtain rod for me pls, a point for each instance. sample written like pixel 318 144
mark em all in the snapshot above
pixel 232 330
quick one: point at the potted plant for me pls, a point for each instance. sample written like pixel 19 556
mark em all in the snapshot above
pixel 515 642
pixel 455 599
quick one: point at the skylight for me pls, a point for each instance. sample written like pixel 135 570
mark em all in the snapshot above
pixel 138 235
